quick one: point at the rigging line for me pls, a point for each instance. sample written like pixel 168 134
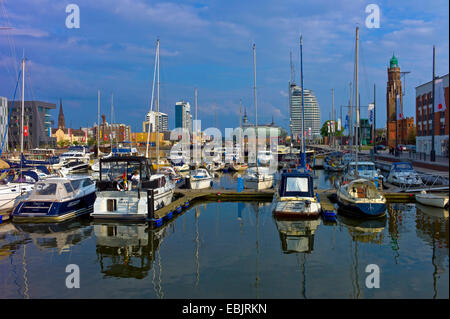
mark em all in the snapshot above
pixel 9 115
pixel 11 44
pixel 153 96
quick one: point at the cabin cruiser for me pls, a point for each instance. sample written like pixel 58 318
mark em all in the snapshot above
pixel 73 167
pixel 403 174
pixel 123 191
pixel 80 153
pixel 368 171
pixel 172 174
pixel 295 197
pixel 430 199
pixel 14 186
pixel 361 198
pixel 57 199
pixel 258 178
pixel 200 179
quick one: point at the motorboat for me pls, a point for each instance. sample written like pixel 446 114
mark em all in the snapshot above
pixel 57 199
pixel 172 174
pixel 403 174
pixel 200 179
pixel 182 168
pixel 295 197
pixel 124 190
pixel 75 153
pixel 368 171
pixel 14 185
pixel 258 178
pixel 430 199
pixel 73 167
pixel 361 198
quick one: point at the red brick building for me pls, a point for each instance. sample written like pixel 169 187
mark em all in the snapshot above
pixel 394 88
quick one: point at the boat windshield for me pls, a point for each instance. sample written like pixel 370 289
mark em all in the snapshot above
pixel 45 189
pixel 297 184
pixel 364 167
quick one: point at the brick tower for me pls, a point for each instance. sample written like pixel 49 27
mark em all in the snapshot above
pixel 394 88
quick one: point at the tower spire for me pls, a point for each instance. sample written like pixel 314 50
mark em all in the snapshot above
pixel 61 119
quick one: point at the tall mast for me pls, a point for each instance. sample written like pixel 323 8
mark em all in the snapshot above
pixel 112 115
pixel 303 155
pixel 254 90
pixel 350 111
pixel 357 101
pixel 333 117
pixel 23 106
pixel 157 111
pixel 433 152
pixel 98 122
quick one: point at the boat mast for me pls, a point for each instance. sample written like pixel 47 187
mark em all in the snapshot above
pixel 23 108
pixel 158 116
pixel 357 101
pixel 303 155
pixel 111 130
pixel 151 101
pixel 98 123
pixel 254 91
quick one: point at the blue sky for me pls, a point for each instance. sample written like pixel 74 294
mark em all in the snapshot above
pixel 208 45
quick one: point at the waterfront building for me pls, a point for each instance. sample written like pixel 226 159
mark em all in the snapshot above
pixel 394 90
pixel 424 119
pixel 115 132
pixel 3 122
pixel 37 125
pixel 183 116
pixel 149 125
pixel 312 113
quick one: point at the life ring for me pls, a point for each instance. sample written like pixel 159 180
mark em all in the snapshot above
pixel 122 186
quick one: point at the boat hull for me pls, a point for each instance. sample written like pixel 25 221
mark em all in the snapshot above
pixel 200 183
pixel 371 210
pixel 432 200
pixel 258 183
pixel 128 205
pixel 46 211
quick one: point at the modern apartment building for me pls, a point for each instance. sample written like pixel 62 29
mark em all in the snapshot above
pixel 183 116
pixel 37 121
pixel 312 112
pixel 149 125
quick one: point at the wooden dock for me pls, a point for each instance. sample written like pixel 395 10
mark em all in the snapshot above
pixel 184 198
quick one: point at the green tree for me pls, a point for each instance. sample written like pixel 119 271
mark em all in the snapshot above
pixel 91 141
pixel 411 138
pixel 324 129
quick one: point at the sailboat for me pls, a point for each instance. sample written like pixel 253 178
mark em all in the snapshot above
pixel 295 196
pixel 15 186
pixel 359 196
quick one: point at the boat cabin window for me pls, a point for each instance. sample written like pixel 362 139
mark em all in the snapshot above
pixel 296 184
pixel 403 167
pixel 87 182
pixel 76 184
pixel 68 187
pixel 45 189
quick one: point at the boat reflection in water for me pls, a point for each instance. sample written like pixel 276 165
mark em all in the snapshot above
pixel 297 236
pixel 364 230
pixel 61 235
pixel 126 250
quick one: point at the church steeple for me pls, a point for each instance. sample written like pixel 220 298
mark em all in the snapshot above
pixel 61 120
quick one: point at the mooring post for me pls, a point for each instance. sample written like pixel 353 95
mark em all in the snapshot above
pixel 150 204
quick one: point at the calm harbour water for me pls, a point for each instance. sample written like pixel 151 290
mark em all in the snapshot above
pixel 231 250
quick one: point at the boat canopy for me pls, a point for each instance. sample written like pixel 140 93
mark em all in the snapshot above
pixel 296 185
pixel 57 189
pixel 402 166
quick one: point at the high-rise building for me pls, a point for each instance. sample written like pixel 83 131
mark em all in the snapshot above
pixel 151 119
pixel 37 119
pixel 312 112
pixel 424 117
pixel 183 116
pixel 3 122
pixel 394 89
